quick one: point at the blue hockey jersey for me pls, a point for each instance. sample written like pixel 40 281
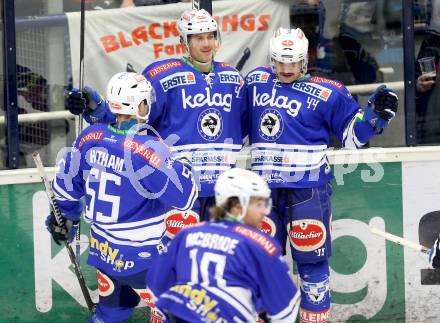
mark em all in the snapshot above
pixel 206 114
pixel 202 117
pixel 129 181
pixel 291 125
pixel 224 272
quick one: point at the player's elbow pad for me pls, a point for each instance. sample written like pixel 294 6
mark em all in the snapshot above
pixel 357 133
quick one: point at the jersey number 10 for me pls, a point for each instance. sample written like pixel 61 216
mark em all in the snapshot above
pixel 202 268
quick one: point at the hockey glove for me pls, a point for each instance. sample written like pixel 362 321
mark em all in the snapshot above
pixel 90 102
pixel 381 108
pixel 61 233
pixel 74 101
pixel 434 255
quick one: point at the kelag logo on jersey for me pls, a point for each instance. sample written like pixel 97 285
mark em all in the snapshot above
pixel 315 90
pixel 271 125
pixel 230 77
pixel 177 79
pixel 257 77
pixel 210 124
pixel 275 100
pixel 206 99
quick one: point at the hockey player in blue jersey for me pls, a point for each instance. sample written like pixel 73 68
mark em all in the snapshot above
pixel 226 270
pixel 292 118
pixel 129 180
pixel 200 108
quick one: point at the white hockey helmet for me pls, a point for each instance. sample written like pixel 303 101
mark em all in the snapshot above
pixel 288 46
pixel 240 183
pixel 196 22
pixel 126 90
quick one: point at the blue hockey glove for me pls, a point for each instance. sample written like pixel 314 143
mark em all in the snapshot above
pixel 61 233
pixel 434 255
pixel 90 102
pixel 381 108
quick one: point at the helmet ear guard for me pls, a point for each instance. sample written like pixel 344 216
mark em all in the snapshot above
pixel 242 184
pixel 288 46
pixel 126 91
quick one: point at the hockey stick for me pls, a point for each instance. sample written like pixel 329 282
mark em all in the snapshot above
pixel 59 218
pixel 243 59
pixel 130 68
pixel 81 62
pixel 202 4
pixel 403 242
pixel 80 117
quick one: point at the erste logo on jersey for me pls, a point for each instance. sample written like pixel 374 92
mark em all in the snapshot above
pixel 316 90
pixel 210 124
pixel 105 285
pixel 307 234
pixel 176 220
pixel 271 125
pixel 177 79
pixel 268 226
pixel 230 77
pixel 257 77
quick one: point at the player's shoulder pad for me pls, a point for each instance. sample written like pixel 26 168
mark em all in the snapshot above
pixel 330 84
pixel 92 133
pixel 148 148
pixel 258 238
pixel 222 66
pixel 161 68
pixel 259 75
pixel 327 82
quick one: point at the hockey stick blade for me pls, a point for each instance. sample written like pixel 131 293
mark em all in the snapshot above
pixel 56 211
pixel 399 240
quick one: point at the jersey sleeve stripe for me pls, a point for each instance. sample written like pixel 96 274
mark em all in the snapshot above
pixel 133 224
pixel 207 146
pixel 59 191
pixel 349 138
pixel 289 313
pixel 192 197
pixel 296 148
pixel 152 241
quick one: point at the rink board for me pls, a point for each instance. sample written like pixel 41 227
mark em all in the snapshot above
pixel 371 280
